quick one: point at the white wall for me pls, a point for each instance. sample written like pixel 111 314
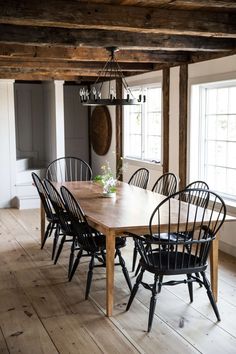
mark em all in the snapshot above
pixel 76 123
pixel 7 143
pixel 54 120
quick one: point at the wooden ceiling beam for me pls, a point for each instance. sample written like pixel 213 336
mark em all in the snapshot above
pixel 74 14
pixel 90 54
pixel 69 65
pixel 51 73
pixel 100 38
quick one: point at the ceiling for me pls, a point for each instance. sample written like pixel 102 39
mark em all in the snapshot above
pixel 67 40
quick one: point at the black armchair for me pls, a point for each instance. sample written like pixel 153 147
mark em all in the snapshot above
pixel 181 255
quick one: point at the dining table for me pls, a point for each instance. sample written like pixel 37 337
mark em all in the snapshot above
pixel 128 211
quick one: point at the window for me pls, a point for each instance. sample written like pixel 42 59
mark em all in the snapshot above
pixel 213 136
pixel 142 126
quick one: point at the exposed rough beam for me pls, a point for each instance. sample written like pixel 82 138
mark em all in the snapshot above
pixel 102 38
pixel 178 4
pixel 203 56
pixel 90 54
pixel 56 73
pixel 74 14
pixel 37 76
pixel 69 65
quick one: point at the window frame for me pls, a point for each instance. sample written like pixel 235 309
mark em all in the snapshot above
pixel 143 87
pixel 200 115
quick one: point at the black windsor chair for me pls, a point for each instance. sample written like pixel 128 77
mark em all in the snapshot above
pixel 198 199
pixel 53 221
pixel 68 169
pixel 64 220
pixel 90 241
pixel 183 256
pixel 166 185
pixel 140 178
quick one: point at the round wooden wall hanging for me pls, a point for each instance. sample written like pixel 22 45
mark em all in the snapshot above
pixel 101 130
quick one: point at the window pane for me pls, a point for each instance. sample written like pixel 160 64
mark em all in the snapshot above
pixel 154 99
pixel 222 100
pixel 135 123
pixel 231 185
pixel 211 126
pixel 232 100
pixel 210 176
pixel 152 151
pixel 211 152
pixel 211 101
pixel 220 179
pixel 221 153
pixel 154 123
pixel 221 127
pixel 231 156
pixel 135 146
pixel 232 126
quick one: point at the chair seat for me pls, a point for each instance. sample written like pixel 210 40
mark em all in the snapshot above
pixel 100 241
pixel 172 263
pixel 171 237
pixel 53 218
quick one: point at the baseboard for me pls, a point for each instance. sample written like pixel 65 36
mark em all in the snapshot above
pixel 227 248
pixel 4 205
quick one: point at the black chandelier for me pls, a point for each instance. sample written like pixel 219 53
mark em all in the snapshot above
pixel 110 71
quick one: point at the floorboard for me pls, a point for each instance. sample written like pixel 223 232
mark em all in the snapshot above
pixel 41 312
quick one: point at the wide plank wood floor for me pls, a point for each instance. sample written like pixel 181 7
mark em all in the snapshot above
pixel 41 312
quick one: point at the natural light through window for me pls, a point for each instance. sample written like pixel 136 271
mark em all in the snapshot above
pixel 142 126
pixel 213 136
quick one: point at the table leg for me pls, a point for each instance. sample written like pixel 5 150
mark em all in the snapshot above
pixel 214 266
pixel 110 253
pixel 42 222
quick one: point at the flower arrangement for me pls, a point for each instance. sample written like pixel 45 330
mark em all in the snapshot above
pixel 107 180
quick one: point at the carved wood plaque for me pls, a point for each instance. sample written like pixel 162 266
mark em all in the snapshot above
pixel 100 130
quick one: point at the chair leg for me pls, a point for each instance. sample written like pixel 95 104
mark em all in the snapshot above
pixel 75 265
pixel 152 303
pixel 210 295
pixel 124 269
pixel 47 233
pixel 137 270
pixel 51 228
pixel 72 255
pixel 190 288
pixel 198 276
pixel 135 252
pixel 160 283
pixel 89 277
pixel 103 256
pixel 135 289
pixel 56 236
pixel 60 248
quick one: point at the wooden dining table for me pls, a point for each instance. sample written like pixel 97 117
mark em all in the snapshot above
pixel 128 211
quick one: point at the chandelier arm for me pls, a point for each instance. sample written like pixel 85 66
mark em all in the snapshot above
pixel 101 71
pixel 123 79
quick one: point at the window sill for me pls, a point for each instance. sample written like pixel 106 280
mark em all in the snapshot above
pixel 142 163
pixel 231 206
